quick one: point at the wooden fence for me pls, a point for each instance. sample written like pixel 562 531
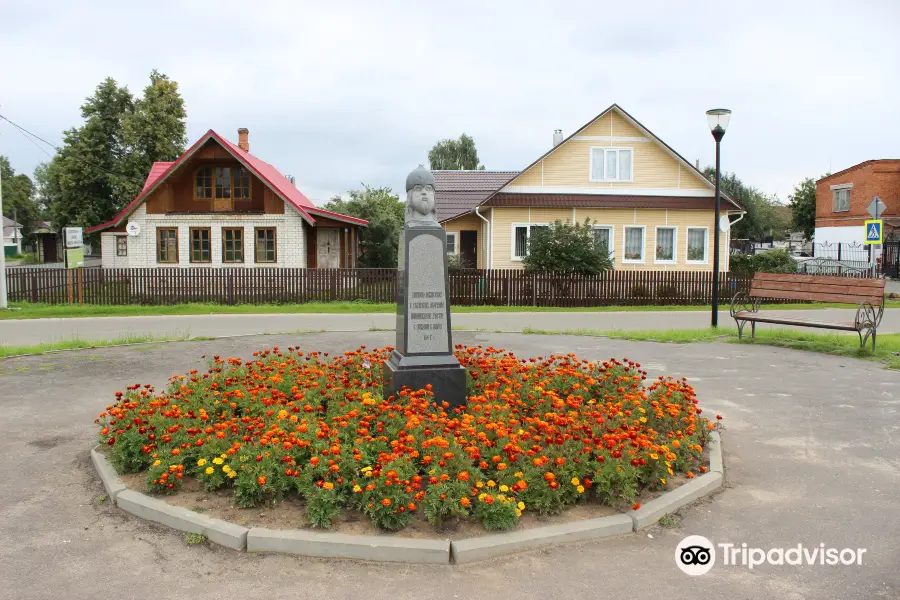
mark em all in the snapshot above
pixel 510 287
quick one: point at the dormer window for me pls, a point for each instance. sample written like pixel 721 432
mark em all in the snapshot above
pixel 611 164
pixel 222 183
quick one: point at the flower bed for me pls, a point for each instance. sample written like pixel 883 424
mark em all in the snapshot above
pixel 536 435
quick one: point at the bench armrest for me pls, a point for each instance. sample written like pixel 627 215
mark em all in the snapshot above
pixel 868 316
pixel 743 303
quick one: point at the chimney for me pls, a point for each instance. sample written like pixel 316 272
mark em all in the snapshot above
pixel 697 164
pixel 244 139
pixel 557 137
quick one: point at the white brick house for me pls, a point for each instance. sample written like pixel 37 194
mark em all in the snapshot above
pixel 218 205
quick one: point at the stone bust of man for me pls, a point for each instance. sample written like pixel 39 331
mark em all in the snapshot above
pixel 420 210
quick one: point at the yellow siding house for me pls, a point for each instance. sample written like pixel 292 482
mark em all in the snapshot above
pixel 653 209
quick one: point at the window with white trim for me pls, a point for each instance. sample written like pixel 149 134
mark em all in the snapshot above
pixel 521 236
pixel 697 245
pixel 121 245
pixel 633 250
pixel 841 199
pixel 451 243
pixel 665 245
pixel 611 164
pixel 603 236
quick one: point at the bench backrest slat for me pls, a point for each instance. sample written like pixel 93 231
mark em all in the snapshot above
pixel 817 288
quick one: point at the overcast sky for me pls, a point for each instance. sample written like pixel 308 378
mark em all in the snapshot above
pixel 339 93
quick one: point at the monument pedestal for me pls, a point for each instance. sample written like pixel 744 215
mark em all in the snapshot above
pixel 424 350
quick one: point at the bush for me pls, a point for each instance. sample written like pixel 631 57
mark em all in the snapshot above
pixel 773 261
pixel 566 248
pixel 538 436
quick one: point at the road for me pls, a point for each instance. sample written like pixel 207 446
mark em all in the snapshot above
pixel 15 332
pixel 812 450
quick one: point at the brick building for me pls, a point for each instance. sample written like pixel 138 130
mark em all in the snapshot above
pixel 218 205
pixel 842 200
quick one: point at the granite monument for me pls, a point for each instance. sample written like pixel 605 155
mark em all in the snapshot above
pixel 423 353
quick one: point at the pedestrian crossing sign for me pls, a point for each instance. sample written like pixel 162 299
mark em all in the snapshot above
pixel 873 231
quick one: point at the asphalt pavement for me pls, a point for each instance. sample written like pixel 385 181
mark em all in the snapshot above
pixel 812 451
pixel 17 332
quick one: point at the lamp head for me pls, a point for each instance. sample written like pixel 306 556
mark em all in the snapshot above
pixel 718 121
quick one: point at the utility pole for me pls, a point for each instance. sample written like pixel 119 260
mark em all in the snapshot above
pixel 3 301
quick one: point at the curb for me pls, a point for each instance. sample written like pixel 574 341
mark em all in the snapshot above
pixel 217 531
pixel 490 546
pixel 716 462
pixel 108 475
pixel 671 501
pixel 336 545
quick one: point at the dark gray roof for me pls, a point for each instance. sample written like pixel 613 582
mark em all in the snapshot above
pixel 459 192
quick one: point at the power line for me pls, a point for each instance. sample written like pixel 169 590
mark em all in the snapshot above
pixel 58 149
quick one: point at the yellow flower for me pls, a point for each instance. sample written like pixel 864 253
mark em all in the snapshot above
pixel 231 474
pixel 367 474
pixel 521 505
pixel 504 488
pixel 491 483
pixel 501 497
pixel 575 481
pixel 671 472
pixel 201 462
pixel 580 489
pixel 518 474
pixel 217 461
pixel 157 462
pixel 356 489
pixel 662 480
pixel 226 469
pixel 364 469
pixel 481 497
pixel 643 419
pixel 223 456
pixel 518 513
pixel 209 470
pixel 479 485
pixel 654 456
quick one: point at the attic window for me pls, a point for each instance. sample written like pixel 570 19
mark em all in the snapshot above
pixel 611 164
pixel 222 183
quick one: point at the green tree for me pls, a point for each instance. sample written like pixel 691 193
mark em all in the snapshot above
pixel 566 248
pixel 18 197
pixel 384 212
pixel 102 164
pixel 762 218
pixel 803 207
pixel 454 155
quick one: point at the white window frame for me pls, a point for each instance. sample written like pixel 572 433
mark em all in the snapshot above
pixel 643 259
pixel 612 236
pixel 512 238
pixel 687 246
pixel 618 162
pixel 835 190
pixel 455 236
pixel 674 245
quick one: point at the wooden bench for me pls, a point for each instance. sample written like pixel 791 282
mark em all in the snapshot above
pixel 867 294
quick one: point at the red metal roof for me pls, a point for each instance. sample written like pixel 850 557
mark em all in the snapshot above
pixel 280 184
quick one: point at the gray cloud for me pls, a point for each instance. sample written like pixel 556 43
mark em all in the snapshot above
pixel 341 93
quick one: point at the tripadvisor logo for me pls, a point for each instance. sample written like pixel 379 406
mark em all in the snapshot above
pixel 696 555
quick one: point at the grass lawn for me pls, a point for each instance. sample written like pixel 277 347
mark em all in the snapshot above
pixel 887 350
pixel 25 310
pixel 79 344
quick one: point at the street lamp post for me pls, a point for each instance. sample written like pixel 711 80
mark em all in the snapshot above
pixel 718 120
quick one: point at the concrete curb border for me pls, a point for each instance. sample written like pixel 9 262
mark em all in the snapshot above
pixel 108 474
pixel 409 550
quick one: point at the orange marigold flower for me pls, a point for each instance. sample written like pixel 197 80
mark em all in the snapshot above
pixel 465 502
pixel 488 499
pixel 635 506
pixel 261 480
pixel 386 502
pixel 689 475
pixel 549 476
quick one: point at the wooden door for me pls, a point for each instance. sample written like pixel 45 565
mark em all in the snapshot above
pixel 468 249
pixel 328 241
